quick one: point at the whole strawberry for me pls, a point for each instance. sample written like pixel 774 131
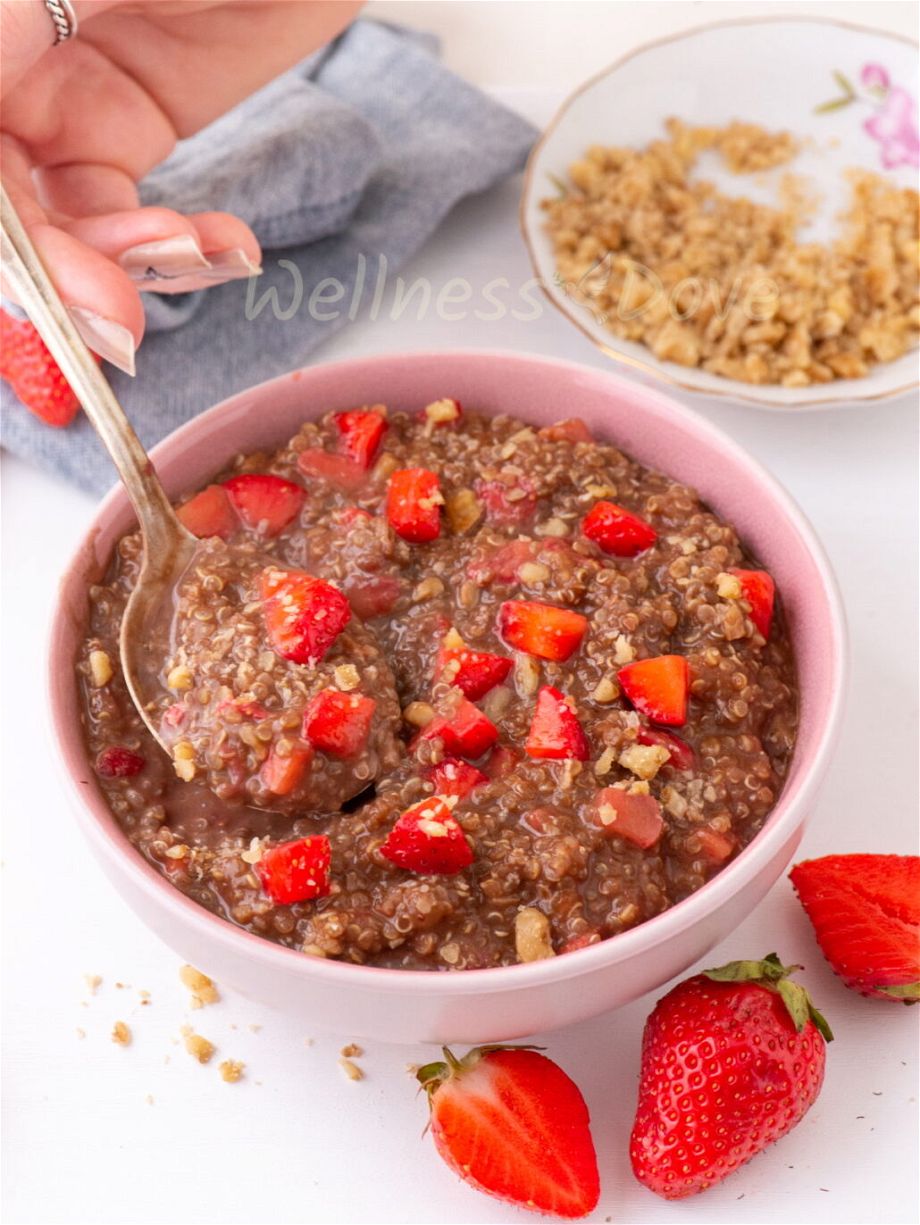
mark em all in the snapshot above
pixel 865 910
pixel 510 1122
pixel 33 373
pixel 731 1060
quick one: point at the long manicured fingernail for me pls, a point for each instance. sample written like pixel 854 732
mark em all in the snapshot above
pixel 165 259
pixel 230 265
pixel 113 342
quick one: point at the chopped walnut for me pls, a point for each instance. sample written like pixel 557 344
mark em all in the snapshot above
pixel 531 935
pixel 231 1070
pixel 346 677
pixel 606 690
pixel 464 510
pixel 728 587
pixel 197 1046
pixel 202 988
pixel 351 1070
pixel 351 1051
pixel 121 1035
pixel 644 760
pixel 440 412
pixel 180 678
pixel 100 668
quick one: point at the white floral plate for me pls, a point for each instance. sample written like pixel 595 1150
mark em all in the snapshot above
pixel 848 91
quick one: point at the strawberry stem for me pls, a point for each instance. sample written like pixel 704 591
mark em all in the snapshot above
pixel 908 992
pixel 772 975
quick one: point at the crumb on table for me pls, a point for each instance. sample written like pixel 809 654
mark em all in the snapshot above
pixel 121 1034
pixel 231 1070
pixel 202 988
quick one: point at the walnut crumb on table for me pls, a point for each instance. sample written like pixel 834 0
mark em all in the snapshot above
pixel 231 1070
pixel 351 1070
pixel 351 1051
pixel 121 1035
pixel 197 1046
pixel 202 988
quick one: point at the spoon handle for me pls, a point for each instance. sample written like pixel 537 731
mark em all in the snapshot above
pixel 47 312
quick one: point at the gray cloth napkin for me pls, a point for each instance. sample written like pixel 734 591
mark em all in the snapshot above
pixel 360 150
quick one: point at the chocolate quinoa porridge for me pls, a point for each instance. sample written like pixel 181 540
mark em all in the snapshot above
pixel 445 691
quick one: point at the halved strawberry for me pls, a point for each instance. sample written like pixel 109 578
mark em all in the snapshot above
pixel 115 761
pixel 760 592
pixel 617 531
pixel 451 776
pixel 282 772
pixel 511 1123
pixel 372 597
pixel 658 687
pixel 466 732
pixel 339 723
pixel 296 871
pixel 414 505
pixel 473 672
pixel 572 429
pixel 264 502
pixel 33 374
pixel 555 732
pixel 339 471
pixel 303 615
pixel 681 755
pixel 865 910
pixel 360 433
pixel 209 513
pixel 508 505
pixel 428 839
pixel 637 818
pixel 541 629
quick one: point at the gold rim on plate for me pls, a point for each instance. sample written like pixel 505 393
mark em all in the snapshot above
pixel 656 372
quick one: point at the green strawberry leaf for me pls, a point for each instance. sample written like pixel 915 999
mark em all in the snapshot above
pixel 772 975
pixel 908 992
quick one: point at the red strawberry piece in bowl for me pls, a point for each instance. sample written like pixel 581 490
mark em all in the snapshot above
pixel 627 814
pixel 555 733
pixel 360 433
pixel 659 688
pixel 512 1124
pixel 414 504
pixel 428 839
pixel 572 429
pixel 296 871
pixel 474 673
pixel 303 615
pixel 508 504
pixel 339 723
pixel 451 776
pixel 116 761
pixel 285 769
pixel 865 910
pixel 209 513
pixel 542 630
pixel 758 588
pixel 617 531
pixel 465 731
pixel 337 471
pixel 731 1060
pixel 267 504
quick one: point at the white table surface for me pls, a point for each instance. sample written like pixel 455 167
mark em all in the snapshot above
pixel 98 1133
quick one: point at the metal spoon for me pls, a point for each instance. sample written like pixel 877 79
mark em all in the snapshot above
pixel 168 547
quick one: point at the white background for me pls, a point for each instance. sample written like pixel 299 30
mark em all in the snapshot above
pixel 295 1141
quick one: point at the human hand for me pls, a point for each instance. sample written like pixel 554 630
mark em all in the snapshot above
pixel 84 121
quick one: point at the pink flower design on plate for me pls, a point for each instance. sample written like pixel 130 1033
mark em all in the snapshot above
pixel 894 126
pixel 875 76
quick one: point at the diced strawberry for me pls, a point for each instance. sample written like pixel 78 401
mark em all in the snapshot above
pixel 573 429
pixel 372 597
pixel 503 564
pixel 281 774
pixel 360 433
pixel 249 708
pixel 414 505
pixel 508 505
pixel 455 777
pixel 34 375
pixel 442 412
pixel 555 732
pixel 658 688
pixel 473 672
pixel 617 531
pixel 303 615
pixel 264 502
pixel 209 513
pixel 428 839
pixel 467 732
pixel 348 516
pixel 175 715
pixel 715 847
pixel 115 761
pixel 637 818
pixel 541 629
pixel 339 723
pixel 682 756
pixel 296 871
pixel 502 761
pixel 581 941
pixel 760 592
pixel 340 472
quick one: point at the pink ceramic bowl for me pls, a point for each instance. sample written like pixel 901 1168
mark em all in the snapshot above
pixel 480 1005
